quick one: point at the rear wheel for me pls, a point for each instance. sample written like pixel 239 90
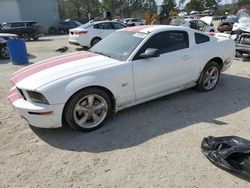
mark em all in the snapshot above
pixel 95 41
pixel 209 77
pixel 88 109
pixel 4 52
pixel 25 37
pixel 36 37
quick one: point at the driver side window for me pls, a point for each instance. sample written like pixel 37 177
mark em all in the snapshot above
pixel 201 25
pixel 165 42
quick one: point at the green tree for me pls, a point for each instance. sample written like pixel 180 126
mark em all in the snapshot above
pixel 149 6
pixel 78 8
pixel 194 5
pixel 201 5
pixel 243 4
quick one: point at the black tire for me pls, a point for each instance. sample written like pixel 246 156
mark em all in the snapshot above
pixel 25 36
pixel 202 81
pixel 4 52
pixel 70 113
pixel 36 38
pixel 238 54
pixel 211 30
pixel 95 40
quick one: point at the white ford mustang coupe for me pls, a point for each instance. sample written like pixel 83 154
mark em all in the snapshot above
pixel 128 67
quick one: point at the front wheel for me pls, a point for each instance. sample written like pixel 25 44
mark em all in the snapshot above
pixel 88 109
pixel 209 77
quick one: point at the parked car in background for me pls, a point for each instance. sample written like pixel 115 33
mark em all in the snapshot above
pixel 91 33
pixel 64 27
pixel 129 67
pixel 132 22
pixel 242 44
pixel 24 29
pixel 4 37
pixel 204 24
pixel 226 25
pixel 242 26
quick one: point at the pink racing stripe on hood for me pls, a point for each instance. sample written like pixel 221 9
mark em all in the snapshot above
pixel 49 64
pixel 13 95
pixel 43 62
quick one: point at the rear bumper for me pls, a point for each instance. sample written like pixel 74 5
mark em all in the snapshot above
pixel 37 115
pixel 79 40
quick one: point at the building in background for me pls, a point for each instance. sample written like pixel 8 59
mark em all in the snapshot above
pixel 44 12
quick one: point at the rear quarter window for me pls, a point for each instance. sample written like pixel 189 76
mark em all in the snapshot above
pixel 200 38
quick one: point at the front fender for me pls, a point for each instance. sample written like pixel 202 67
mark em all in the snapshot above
pixel 60 92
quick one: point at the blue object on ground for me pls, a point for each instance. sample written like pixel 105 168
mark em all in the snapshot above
pixel 17 51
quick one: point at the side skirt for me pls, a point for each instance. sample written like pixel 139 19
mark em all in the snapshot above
pixel 186 86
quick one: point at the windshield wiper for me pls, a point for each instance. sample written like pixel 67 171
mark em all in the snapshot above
pixel 100 53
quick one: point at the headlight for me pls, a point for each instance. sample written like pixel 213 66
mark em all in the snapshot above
pixel 37 97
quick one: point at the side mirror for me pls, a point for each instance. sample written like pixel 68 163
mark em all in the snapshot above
pixel 150 52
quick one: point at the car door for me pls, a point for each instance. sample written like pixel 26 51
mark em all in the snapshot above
pixel 171 70
pixel 18 28
pixel 105 29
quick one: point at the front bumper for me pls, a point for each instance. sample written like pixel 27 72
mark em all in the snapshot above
pixel 37 115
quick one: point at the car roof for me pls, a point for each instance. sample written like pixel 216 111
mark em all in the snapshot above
pixel 228 20
pixel 190 19
pixel 19 22
pixel 153 28
pixel 106 21
pixel 102 21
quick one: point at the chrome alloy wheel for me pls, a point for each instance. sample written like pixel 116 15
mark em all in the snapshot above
pixel 90 111
pixel 211 77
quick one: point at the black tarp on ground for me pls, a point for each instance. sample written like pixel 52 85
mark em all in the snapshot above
pixel 230 153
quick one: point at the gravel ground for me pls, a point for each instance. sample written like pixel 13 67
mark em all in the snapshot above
pixel 156 144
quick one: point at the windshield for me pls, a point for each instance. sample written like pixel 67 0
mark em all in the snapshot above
pixel 85 26
pixel 178 22
pixel 119 45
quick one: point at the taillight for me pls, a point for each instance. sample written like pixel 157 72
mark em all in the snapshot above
pixel 211 33
pixel 80 32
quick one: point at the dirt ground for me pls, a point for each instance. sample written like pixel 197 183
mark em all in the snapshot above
pixel 156 144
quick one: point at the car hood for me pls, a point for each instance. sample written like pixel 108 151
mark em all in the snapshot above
pixel 7 35
pixel 207 19
pixel 40 74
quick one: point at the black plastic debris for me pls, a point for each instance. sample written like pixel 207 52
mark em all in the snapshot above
pixel 230 153
pixel 62 49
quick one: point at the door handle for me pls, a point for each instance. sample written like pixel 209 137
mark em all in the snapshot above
pixel 186 57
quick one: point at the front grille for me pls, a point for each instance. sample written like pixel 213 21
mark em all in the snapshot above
pixel 22 94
